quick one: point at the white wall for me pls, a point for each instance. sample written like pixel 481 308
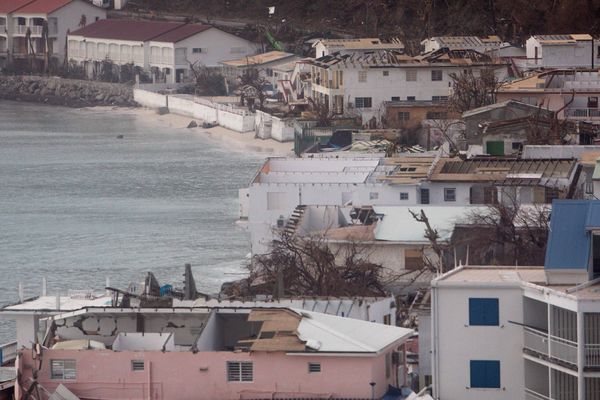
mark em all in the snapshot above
pixel 68 20
pixel 570 55
pixel 216 46
pixel 456 343
pixel 149 99
pixel 382 88
pixel 271 127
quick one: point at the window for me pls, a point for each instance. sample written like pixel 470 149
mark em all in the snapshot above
pixel 373 196
pixel 439 99
pixel 362 102
pixel 413 259
pixel 403 195
pixel 395 98
pixel 388 365
pixel 387 319
pixel 436 115
pixel 424 196
pixel 411 75
pixel 239 371
pixel 137 365
pixel 484 312
pixel 449 194
pixel 362 76
pixel 314 368
pixel 410 98
pixel 386 73
pixel 436 75
pixel 197 50
pixel 485 374
pixel 63 369
pixel 592 102
pixel 403 116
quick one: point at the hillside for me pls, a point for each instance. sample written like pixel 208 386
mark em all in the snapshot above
pixel 411 20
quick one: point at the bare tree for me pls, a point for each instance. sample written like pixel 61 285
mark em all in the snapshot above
pixel 208 82
pixel 470 91
pixel 322 112
pixel 253 86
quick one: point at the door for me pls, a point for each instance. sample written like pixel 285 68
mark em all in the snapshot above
pixel 495 148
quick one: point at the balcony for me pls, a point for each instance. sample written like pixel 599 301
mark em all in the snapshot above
pixel 3 29
pixel 592 356
pixel 551 348
pixel 531 395
pixel 8 353
pixel 36 30
pixel 582 113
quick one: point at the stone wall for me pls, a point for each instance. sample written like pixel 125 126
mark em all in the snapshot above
pixel 66 92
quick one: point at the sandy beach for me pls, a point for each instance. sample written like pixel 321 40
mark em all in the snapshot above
pixel 227 137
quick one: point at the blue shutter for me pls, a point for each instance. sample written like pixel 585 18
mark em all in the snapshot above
pixel 484 312
pixel 485 374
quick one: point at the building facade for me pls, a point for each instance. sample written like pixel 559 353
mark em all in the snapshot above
pixel 524 332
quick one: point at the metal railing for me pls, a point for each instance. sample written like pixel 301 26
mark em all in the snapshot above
pixel 552 346
pixel 8 352
pixel 582 113
pixel 533 395
pixel 592 355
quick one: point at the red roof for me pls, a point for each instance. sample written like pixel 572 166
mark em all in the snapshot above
pixel 8 6
pixel 43 6
pixel 139 31
pixel 183 32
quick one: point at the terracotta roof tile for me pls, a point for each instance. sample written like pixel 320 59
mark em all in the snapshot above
pixel 8 6
pixel 43 6
pixel 120 29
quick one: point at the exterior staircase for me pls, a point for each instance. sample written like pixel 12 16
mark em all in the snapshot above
pixel 292 224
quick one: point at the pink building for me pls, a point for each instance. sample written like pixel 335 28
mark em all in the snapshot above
pixel 213 353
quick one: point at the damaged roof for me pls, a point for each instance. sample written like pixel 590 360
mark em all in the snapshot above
pixel 562 39
pixel 505 171
pixel 295 330
pixel 361 44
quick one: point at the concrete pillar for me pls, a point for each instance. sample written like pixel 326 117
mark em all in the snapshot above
pixel 580 355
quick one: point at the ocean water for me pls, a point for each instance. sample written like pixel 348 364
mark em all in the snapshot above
pixel 78 205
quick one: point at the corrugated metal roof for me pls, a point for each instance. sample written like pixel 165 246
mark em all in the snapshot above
pixel 398 225
pixel 569 242
pixel 8 6
pixel 338 334
pixel 139 31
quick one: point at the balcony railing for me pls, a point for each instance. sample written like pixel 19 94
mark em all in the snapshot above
pixel 8 352
pixel 551 346
pixel 36 30
pixel 532 395
pixel 592 355
pixel 582 113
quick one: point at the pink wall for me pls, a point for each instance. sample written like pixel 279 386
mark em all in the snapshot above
pixel 104 374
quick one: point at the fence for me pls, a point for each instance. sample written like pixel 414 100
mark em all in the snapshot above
pixel 8 352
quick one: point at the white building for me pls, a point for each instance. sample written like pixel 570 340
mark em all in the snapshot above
pixel 479 44
pixel 359 85
pixel 524 332
pixel 283 186
pixel 561 51
pixel 325 47
pixel 572 94
pixel 165 48
pixel 61 16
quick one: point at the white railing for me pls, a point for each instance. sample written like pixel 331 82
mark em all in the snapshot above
pixel 592 355
pixel 535 340
pixel 36 30
pixel 532 395
pixel 8 352
pixel 582 113
pixel 552 346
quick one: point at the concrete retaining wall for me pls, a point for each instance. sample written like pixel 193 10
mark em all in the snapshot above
pixel 226 115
